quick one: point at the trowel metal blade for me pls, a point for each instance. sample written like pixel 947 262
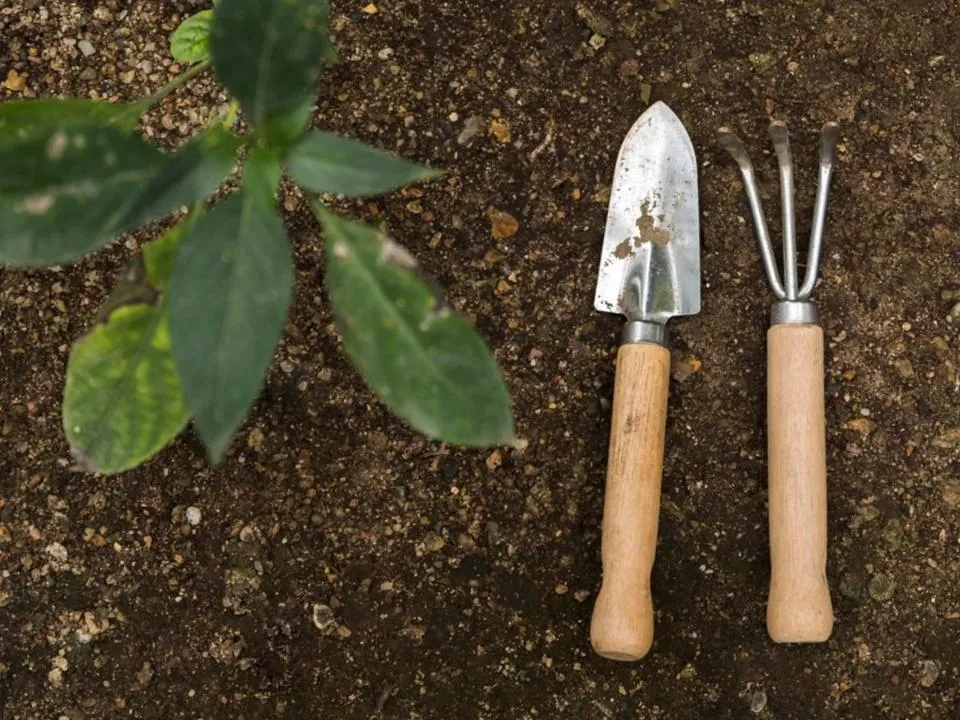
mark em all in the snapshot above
pixel 650 263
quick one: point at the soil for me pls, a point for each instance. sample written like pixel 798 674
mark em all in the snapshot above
pixel 338 564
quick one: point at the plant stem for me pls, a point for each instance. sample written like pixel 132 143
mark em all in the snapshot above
pixel 231 117
pixel 179 80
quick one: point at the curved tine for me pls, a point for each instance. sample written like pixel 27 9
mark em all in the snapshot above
pixel 828 146
pixel 731 143
pixel 781 143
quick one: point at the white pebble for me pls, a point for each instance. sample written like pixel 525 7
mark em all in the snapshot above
pixel 86 47
pixel 57 551
pixel 193 515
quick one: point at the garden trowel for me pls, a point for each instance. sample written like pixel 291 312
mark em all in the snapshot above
pixel 649 272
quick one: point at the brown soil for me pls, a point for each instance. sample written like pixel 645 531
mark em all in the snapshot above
pixel 457 587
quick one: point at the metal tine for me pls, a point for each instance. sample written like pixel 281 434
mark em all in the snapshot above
pixel 781 144
pixel 828 146
pixel 731 143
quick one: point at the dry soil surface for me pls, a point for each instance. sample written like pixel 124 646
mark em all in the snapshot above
pixel 338 565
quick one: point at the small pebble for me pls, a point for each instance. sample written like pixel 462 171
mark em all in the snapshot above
pixel 929 672
pixel 861 426
pixel 947 440
pixel 15 82
pixel 472 127
pixel 86 47
pixel 255 438
pixel 57 551
pixel 500 129
pixel 758 701
pixel 323 617
pixel 597 41
pixel 762 61
pixel 193 515
pixel 882 587
pixel 893 533
pixel 951 493
pixel 904 368
pixel 433 542
pixel 503 225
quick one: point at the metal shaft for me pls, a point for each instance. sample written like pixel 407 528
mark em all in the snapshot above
pixel 828 146
pixel 733 146
pixel 781 143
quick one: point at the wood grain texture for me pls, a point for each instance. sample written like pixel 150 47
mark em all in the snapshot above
pixel 622 625
pixel 799 608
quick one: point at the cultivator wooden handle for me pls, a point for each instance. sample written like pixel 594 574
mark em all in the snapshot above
pixel 622 625
pixel 799 608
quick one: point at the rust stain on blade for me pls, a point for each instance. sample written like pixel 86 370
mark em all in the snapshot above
pixel 649 233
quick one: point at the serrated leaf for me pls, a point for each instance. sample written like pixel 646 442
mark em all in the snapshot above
pixel 190 42
pixel 229 292
pixel 326 163
pixel 425 361
pixel 268 54
pixel 64 193
pixel 24 119
pixel 122 399
pixel 188 176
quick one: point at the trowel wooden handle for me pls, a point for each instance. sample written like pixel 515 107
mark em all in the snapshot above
pixel 622 625
pixel 798 608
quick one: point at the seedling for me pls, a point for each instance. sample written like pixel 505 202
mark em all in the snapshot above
pixel 193 324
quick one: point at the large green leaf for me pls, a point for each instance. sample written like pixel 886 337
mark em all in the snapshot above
pixel 122 400
pixel 23 119
pixel 190 42
pixel 187 176
pixel 326 163
pixel 425 361
pixel 261 176
pixel 282 131
pixel 231 285
pixel 268 54
pixel 66 192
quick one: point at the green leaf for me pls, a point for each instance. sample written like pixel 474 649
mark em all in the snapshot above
pixel 190 42
pixel 327 163
pixel 231 285
pixel 122 400
pixel 282 131
pixel 24 119
pixel 268 54
pixel 426 362
pixel 159 255
pixel 66 192
pixel 187 176
pixel 261 175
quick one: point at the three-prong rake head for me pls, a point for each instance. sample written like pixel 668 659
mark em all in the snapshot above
pixel 794 297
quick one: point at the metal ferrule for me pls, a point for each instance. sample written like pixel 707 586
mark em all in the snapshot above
pixel 643 331
pixel 794 312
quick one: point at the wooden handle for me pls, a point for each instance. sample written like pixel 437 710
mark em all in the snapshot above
pixel 799 608
pixel 622 625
